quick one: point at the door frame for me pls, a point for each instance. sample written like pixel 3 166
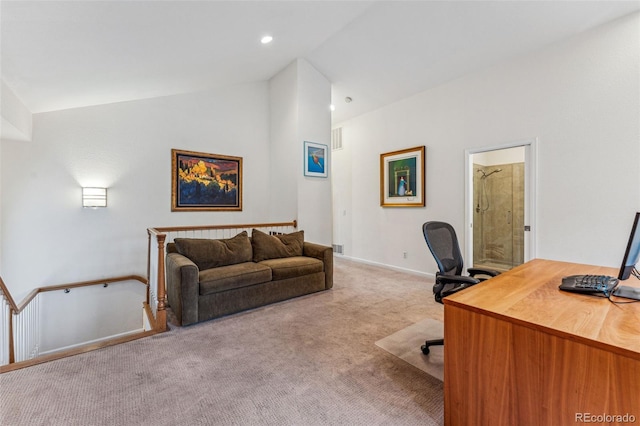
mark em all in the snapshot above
pixel 530 196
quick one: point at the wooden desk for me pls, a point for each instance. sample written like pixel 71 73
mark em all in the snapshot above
pixel 518 351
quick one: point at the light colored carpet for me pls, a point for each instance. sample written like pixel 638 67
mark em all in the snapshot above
pixel 406 343
pixel 306 361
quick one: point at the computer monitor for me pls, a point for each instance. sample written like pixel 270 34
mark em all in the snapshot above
pixel 631 258
pixel 632 254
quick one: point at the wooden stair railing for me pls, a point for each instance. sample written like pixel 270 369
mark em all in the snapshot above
pixel 158 237
pixel 8 306
pixel 155 305
pixel 9 335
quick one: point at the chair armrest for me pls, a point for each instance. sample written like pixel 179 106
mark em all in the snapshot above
pixel 452 290
pixel 182 288
pixel 447 285
pixel 481 271
pixel 325 254
pixel 456 279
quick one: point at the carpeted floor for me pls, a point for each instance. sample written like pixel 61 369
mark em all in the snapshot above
pixel 307 361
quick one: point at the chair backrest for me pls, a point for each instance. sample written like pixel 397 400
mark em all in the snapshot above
pixel 443 244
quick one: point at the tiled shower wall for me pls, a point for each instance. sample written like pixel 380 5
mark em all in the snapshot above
pixel 498 219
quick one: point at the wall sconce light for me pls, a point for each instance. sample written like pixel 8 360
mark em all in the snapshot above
pixel 94 197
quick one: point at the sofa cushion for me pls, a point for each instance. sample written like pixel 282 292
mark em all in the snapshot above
pixel 208 253
pixel 290 267
pixel 276 246
pixel 233 276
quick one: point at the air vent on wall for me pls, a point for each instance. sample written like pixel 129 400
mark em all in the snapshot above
pixel 336 138
pixel 338 248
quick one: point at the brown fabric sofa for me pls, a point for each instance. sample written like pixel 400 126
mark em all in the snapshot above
pixel 210 278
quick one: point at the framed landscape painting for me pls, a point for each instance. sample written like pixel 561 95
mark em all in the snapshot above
pixel 205 182
pixel 402 178
pixel 315 159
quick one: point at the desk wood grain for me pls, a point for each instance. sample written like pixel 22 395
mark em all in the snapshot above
pixel 520 351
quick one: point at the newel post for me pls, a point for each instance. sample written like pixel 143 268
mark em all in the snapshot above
pixel 161 315
pixel 12 354
pixel 13 310
pixel 148 264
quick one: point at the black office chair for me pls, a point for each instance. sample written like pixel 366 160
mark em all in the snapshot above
pixel 443 244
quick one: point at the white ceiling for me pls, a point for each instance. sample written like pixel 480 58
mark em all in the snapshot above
pixel 65 54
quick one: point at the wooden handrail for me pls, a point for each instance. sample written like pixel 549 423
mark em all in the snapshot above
pixel 157 230
pixel 7 295
pixel 35 291
pixel 32 294
pixel 159 322
pixel 12 308
pixel 15 309
pixel 161 236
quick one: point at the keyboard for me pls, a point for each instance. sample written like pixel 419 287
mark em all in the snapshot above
pixel 589 284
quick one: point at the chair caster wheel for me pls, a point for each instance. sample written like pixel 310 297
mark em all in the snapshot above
pixel 425 349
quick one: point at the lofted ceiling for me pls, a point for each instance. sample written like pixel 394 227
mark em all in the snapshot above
pixel 66 54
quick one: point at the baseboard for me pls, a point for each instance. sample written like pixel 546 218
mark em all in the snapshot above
pixel 51 356
pixel 384 265
pixel 92 342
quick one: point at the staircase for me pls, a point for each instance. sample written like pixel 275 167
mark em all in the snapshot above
pixel 79 317
pixel 62 320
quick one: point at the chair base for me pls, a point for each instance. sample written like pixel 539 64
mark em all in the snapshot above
pixel 435 342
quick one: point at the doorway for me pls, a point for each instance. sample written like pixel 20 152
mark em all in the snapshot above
pixel 499 205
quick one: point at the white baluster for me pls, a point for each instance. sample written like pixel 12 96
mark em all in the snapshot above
pixel 4 332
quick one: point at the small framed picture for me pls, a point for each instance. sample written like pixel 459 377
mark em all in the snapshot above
pixel 316 156
pixel 205 182
pixel 402 178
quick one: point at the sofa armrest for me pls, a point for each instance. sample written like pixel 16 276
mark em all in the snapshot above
pixel 182 288
pixel 325 254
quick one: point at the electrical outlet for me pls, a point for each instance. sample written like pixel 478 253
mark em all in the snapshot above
pixel 404 254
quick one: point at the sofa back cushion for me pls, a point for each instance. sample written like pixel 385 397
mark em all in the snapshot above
pixel 276 246
pixel 207 254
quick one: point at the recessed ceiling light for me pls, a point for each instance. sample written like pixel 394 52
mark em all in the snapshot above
pixel 266 39
pixel 332 107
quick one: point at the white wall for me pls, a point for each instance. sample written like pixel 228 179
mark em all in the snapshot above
pixel 48 238
pixel 87 314
pixel 581 98
pixel 15 118
pixel 314 125
pixel 283 109
pixel 16 125
pixel 1 237
pixel 299 106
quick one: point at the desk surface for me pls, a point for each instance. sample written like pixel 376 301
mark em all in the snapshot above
pixel 520 351
pixel 528 295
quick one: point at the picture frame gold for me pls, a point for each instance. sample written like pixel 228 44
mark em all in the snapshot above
pixel 402 178
pixel 205 182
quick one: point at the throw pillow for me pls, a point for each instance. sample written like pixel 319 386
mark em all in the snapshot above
pixel 207 254
pixel 276 246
